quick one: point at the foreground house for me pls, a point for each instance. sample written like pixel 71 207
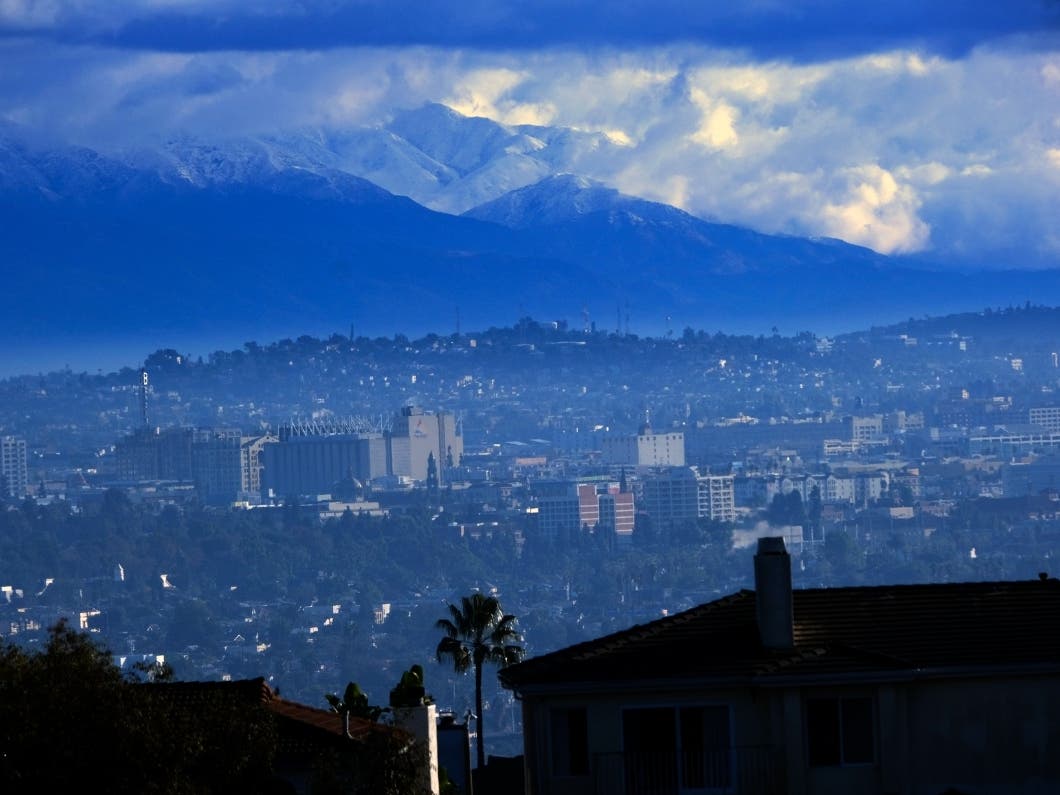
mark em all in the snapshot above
pixel 321 750
pixel 911 689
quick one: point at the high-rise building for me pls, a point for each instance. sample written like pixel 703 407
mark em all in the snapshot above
pixel 679 494
pixel 155 454
pixel 618 513
pixel 671 495
pixel 217 464
pixel 14 473
pixel 645 449
pixel 568 508
pixel 252 462
pixel 717 497
pixel 223 464
pixel 415 435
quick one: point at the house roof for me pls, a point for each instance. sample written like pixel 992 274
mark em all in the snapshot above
pixel 300 720
pixel 897 630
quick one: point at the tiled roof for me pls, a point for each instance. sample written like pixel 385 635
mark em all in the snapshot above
pixel 885 630
pixel 298 718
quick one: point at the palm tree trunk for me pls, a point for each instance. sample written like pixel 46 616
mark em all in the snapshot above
pixel 479 741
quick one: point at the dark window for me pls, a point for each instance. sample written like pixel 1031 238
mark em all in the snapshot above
pixel 705 747
pixel 570 742
pixel 668 746
pixel 840 731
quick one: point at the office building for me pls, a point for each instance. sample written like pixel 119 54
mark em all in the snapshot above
pixel 645 449
pixel 14 473
pixel 680 494
pixel 415 435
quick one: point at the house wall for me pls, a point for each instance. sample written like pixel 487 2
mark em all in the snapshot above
pixel 974 736
pixel 750 713
pixel 986 737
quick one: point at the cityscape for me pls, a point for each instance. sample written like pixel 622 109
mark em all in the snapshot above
pixel 641 398
pixel 592 480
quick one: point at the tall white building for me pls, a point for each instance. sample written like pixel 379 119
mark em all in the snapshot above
pixel 645 449
pixel 14 474
pixel 416 435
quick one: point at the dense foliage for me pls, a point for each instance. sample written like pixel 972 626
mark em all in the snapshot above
pixel 69 721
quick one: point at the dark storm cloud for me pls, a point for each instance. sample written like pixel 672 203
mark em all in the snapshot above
pixel 807 30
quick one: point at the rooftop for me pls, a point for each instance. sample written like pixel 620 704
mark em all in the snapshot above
pixel 895 631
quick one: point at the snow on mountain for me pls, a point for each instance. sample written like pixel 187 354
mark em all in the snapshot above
pixel 50 170
pixel 487 158
pixel 432 154
pixel 552 200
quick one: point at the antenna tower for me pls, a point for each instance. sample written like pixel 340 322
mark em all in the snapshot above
pixel 143 396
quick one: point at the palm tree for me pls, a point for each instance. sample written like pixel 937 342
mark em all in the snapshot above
pixel 479 632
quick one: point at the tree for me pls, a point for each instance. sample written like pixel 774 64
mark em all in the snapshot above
pixel 354 704
pixel 479 632
pixel 70 721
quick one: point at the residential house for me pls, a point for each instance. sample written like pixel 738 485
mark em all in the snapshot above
pixel 310 740
pixel 906 689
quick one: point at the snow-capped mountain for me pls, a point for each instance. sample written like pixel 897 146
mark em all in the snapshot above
pixel 432 154
pixel 196 242
pixel 451 163
pixel 553 200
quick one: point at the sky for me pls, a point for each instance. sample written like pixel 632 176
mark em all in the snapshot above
pixel 930 129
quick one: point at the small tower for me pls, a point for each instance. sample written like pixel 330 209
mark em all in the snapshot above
pixel 143 396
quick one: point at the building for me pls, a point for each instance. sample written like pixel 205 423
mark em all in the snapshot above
pixel 909 689
pixel 564 509
pixel 155 454
pixel 671 496
pixel 415 436
pixel 217 464
pixel 618 513
pixel 680 494
pixel 1031 477
pixel 311 458
pixel 865 430
pixel 645 449
pixel 1047 417
pixel 251 463
pixel 309 740
pixel 717 498
pixel 1004 444
pixel 14 473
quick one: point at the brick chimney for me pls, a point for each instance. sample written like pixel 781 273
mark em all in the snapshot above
pixel 773 602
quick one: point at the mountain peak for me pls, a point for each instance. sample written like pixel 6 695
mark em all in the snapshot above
pixel 560 198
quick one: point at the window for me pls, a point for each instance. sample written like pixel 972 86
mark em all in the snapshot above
pixel 669 746
pixel 570 742
pixel 840 731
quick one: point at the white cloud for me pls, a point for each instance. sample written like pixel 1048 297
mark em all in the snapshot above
pixel 718 127
pixel 30 13
pixel 925 174
pixel 877 211
pixel 488 93
pixel 901 151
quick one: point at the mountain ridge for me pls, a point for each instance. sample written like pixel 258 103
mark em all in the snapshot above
pixel 255 238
